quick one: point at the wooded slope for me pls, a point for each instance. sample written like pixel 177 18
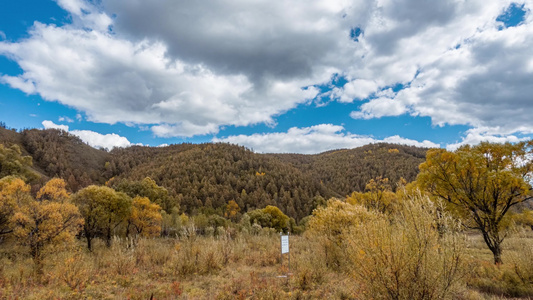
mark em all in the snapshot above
pixel 204 177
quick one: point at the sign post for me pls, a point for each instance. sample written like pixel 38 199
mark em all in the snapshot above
pixel 285 249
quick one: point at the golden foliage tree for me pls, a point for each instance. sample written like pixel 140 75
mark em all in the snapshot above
pixel 54 189
pixel 103 210
pixel 378 196
pixel 232 210
pixel 481 183
pixel 146 188
pixel 270 216
pixel 41 224
pixel 404 256
pixel 332 223
pixel 145 217
pixel 13 194
pixel 336 218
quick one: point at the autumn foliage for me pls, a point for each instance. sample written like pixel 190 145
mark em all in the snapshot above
pixel 481 183
pixel 203 221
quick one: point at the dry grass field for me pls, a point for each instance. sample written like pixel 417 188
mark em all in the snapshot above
pixel 235 266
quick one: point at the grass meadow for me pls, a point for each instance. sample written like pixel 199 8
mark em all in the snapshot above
pixel 236 265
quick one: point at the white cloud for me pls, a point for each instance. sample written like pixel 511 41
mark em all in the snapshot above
pixel 114 77
pixel 378 108
pixel 357 89
pixel 97 140
pixel 2 35
pixel 65 119
pixel 94 139
pixel 455 63
pixel 187 68
pixel 314 139
pixel 477 135
pixel 51 125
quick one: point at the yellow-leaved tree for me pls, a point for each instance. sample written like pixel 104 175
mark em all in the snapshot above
pixel 145 217
pixel 232 210
pixel 14 192
pixel 378 196
pixel 481 183
pixel 404 255
pixel 39 225
pixel 332 223
pixel 54 189
pixel 13 163
pixel 103 209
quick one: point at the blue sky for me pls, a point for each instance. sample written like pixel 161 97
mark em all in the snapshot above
pixel 303 77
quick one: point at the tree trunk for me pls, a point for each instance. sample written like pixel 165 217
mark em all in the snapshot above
pixel 128 229
pixel 36 254
pixel 497 252
pixel 89 238
pixel 494 243
pixel 108 238
pixel 89 243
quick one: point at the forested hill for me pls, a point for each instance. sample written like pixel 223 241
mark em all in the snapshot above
pixel 56 153
pixel 206 176
pixel 348 170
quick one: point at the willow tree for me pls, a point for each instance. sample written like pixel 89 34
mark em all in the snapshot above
pixel 481 183
pixel 103 210
pixel 145 217
pixel 14 193
pixel 41 224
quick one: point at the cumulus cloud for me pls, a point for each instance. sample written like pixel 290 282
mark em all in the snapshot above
pixel 51 125
pixel 477 135
pixel 94 139
pixel 186 68
pixel 455 63
pixel 263 40
pixel 188 78
pixel 314 139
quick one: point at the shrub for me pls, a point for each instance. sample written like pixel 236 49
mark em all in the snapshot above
pixel 405 256
pixel 330 224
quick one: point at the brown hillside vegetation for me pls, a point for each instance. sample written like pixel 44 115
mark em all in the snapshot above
pixel 66 156
pixel 206 177
pixel 210 175
pixel 56 153
pixel 347 170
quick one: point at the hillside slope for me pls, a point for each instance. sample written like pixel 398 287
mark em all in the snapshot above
pixel 56 153
pixel 347 170
pixel 210 175
pixel 204 177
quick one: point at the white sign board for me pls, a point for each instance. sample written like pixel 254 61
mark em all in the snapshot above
pixel 284 244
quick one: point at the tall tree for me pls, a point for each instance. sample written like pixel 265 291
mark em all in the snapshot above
pixel 13 194
pixel 40 224
pixel 146 188
pixel 145 217
pixel 481 183
pixel 103 210
pixel 378 196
